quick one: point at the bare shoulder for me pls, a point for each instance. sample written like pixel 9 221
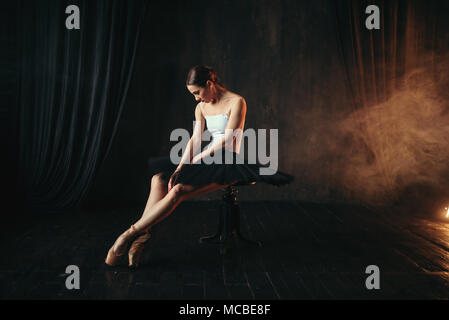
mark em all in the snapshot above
pixel 199 111
pixel 232 96
pixel 237 101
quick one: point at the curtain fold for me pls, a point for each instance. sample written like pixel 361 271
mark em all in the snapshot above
pixel 396 76
pixel 73 87
pixel 377 60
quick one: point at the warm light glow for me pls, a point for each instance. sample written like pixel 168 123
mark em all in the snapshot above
pixel 447 212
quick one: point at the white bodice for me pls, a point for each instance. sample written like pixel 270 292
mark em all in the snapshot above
pixel 216 125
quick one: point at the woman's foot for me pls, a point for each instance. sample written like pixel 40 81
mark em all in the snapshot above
pixel 120 246
pixel 136 248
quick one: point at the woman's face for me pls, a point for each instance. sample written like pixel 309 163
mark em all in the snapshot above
pixel 202 94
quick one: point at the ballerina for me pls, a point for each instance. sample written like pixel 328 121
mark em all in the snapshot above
pixel 221 110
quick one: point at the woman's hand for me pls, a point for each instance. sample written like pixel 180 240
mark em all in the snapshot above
pixel 173 178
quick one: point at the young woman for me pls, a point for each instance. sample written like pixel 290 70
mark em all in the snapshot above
pixel 221 110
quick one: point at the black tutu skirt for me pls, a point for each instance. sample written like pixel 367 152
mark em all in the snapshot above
pixel 230 172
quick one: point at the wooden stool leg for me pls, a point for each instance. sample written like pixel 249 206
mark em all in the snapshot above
pixel 229 224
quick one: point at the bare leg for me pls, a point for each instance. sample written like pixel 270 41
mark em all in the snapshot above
pixel 156 212
pixel 174 197
pixel 158 190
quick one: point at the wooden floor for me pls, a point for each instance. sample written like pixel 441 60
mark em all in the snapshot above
pixel 310 251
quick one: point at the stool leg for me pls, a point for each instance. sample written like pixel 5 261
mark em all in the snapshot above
pixel 229 224
pixel 216 238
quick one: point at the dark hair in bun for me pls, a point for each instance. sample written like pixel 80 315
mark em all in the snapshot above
pixel 198 76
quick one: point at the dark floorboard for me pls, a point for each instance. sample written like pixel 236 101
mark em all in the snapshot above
pixel 309 251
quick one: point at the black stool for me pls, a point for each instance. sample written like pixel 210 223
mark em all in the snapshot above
pixel 228 223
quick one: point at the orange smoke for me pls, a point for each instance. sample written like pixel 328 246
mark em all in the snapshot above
pixel 400 143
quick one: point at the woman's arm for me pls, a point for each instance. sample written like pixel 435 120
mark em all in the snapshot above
pixel 192 146
pixel 236 121
pixel 195 141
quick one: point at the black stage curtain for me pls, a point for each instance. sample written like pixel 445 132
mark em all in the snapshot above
pixel 363 113
pixel 376 60
pixel 73 86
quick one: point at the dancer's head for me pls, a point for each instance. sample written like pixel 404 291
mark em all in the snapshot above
pixel 203 83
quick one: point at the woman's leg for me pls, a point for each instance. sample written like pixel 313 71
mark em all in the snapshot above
pixel 157 211
pixel 164 207
pixel 158 190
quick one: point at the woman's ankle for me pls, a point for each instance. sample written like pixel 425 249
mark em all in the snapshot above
pixel 137 230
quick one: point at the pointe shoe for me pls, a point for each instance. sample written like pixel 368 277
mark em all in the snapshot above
pixel 135 251
pixel 113 259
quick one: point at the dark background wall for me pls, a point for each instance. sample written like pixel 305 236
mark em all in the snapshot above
pixel 362 115
pixel 282 57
